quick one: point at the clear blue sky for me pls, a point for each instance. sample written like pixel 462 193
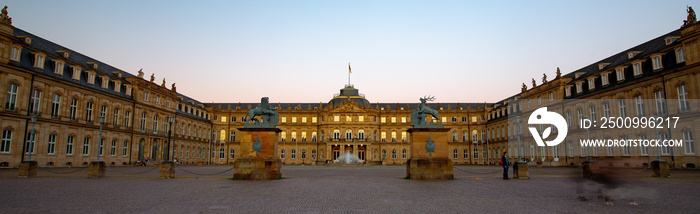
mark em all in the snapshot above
pixel 298 51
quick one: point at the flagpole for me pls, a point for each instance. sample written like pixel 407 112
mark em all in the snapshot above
pixel 349 71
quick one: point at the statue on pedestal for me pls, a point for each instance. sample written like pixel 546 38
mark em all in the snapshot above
pixel 268 116
pixel 418 116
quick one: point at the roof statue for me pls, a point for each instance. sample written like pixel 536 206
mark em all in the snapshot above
pixel 691 15
pixel 163 85
pixel 524 88
pixel 268 116
pixel 140 73
pixel 153 77
pixel 534 84
pixel 4 18
pixel 173 87
pixel 418 116
pixel 558 73
pixel 544 78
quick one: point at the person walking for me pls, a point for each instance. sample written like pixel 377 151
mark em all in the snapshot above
pixel 505 164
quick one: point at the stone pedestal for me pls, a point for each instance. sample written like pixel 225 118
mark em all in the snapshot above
pixel 266 165
pixel 27 169
pixel 167 170
pixel 429 169
pixel 96 169
pixel 253 168
pixel 521 170
pixel 590 168
pixel 426 166
pixel 660 168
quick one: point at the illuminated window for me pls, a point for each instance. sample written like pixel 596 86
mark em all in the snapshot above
pixel 361 118
pixel 336 118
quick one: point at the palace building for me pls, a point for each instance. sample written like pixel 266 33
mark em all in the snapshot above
pixel 66 109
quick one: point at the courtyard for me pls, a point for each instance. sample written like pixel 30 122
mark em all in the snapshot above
pixel 334 189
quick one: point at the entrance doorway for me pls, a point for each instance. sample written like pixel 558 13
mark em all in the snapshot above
pixel 142 145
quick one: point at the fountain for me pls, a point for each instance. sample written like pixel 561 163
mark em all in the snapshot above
pixel 348 158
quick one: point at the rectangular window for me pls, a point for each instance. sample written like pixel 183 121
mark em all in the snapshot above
pixel 145 97
pixel 294 153
pixel 86 146
pixel 656 61
pixel 6 141
pixel 621 107
pixel 91 78
pixel 579 87
pixel 683 105
pixel 680 56
pixel 56 105
pixel 115 121
pixel 15 54
pixel 620 74
pixel 125 148
pixel 30 143
pixel 52 145
pixel 393 119
pixel 231 154
pixel 76 73
pixel 127 119
pixel 644 149
pixel 383 120
pixel 593 113
pixel 105 82
pixel 11 99
pixel 476 153
pixel 361 118
pixel 688 141
pixel 303 119
pixel 604 79
pixel 39 62
pixel 58 69
pixel 639 102
pixel 73 108
pixel 637 68
pixel 294 119
pixel 118 87
pixel 69 145
pixel 660 106
pixel 34 102
pixel 567 91
pixel 591 84
pixel 113 149
pixel 88 112
pixel 606 110
pixel 313 119
pixel 336 118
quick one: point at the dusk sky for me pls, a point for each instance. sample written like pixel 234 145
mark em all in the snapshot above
pixel 298 51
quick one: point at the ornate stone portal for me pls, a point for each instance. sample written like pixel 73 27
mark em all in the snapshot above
pixel 429 156
pixel 259 149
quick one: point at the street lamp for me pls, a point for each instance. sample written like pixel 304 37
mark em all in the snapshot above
pixel 588 137
pixel 170 128
pixel 99 141
pixel 33 137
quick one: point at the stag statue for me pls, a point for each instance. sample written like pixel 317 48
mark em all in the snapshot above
pixel 418 116
pixel 268 116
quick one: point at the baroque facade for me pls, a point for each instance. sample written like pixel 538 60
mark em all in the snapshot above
pixel 68 93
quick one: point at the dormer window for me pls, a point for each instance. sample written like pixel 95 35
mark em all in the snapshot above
pixel 117 86
pixel 602 65
pixel 605 79
pixel 576 75
pixel 568 91
pixel 14 55
pixel 637 68
pixel 579 87
pixel 656 62
pixel 91 77
pixel 39 60
pixel 58 67
pixel 620 72
pixel 93 64
pixel 105 82
pixel 117 73
pixel 669 40
pixel 76 72
pixel 128 90
pixel 591 83
pixel 680 57
pixel 632 54
pixel 65 54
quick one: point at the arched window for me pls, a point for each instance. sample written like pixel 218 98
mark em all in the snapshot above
pixel 336 134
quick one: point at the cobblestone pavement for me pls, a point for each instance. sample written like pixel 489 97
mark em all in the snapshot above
pixel 327 189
